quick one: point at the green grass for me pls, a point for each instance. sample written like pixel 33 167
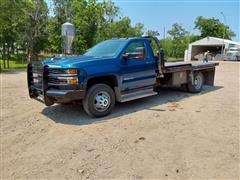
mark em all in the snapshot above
pixel 172 59
pixel 13 65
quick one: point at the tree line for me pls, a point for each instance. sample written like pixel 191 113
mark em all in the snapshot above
pixel 27 26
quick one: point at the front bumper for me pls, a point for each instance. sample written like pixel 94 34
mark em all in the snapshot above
pixel 57 96
pixel 65 95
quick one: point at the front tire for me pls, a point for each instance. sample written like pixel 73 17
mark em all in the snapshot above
pixel 99 100
pixel 197 84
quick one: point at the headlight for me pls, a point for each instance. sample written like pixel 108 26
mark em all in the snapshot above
pixel 73 80
pixel 68 80
pixel 72 71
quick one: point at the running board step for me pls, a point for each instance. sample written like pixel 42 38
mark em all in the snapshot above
pixel 137 95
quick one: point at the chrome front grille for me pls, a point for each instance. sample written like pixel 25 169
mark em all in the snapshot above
pixel 56 71
pixel 56 81
pixel 59 76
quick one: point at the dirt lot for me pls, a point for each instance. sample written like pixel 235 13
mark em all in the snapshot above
pixel 174 135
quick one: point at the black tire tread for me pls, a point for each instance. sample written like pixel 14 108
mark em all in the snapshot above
pixel 191 88
pixel 90 93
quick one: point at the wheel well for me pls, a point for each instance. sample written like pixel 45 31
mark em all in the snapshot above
pixel 109 80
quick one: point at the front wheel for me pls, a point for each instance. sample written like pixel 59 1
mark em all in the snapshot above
pixel 99 101
pixel 197 83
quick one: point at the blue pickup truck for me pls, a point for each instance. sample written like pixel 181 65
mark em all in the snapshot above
pixel 116 70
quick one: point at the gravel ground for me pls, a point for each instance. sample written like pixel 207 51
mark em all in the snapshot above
pixel 173 135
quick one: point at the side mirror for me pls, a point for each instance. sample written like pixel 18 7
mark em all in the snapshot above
pixel 125 56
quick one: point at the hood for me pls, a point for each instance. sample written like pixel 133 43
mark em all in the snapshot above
pixel 75 61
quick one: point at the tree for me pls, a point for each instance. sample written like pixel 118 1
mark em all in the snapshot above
pixel 12 20
pixel 63 12
pixel 94 21
pixel 167 44
pixel 113 26
pixel 179 44
pixel 177 31
pixel 152 33
pixel 110 11
pixel 87 18
pixel 36 34
pixel 213 27
pixel 23 23
pixel 122 28
pixel 138 30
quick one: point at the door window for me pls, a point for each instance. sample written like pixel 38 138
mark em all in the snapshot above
pixel 136 50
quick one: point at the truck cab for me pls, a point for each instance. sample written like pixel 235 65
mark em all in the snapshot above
pixel 233 54
pixel 116 70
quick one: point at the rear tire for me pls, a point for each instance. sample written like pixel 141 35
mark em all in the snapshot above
pixel 197 84
pixel 99 100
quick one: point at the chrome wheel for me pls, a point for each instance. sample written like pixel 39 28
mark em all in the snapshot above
pixel 102 101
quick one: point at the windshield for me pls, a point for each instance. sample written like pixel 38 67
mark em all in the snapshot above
pixel 109 48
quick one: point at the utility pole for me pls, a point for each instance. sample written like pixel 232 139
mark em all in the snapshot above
pixel 163 32
pixel 224 31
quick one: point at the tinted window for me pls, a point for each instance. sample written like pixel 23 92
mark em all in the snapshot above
pixel 136 50
pixel 109 48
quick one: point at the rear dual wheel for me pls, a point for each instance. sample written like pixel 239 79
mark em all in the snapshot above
pixel 99 100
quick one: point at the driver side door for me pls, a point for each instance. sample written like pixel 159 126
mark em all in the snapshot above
pixel 138 68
